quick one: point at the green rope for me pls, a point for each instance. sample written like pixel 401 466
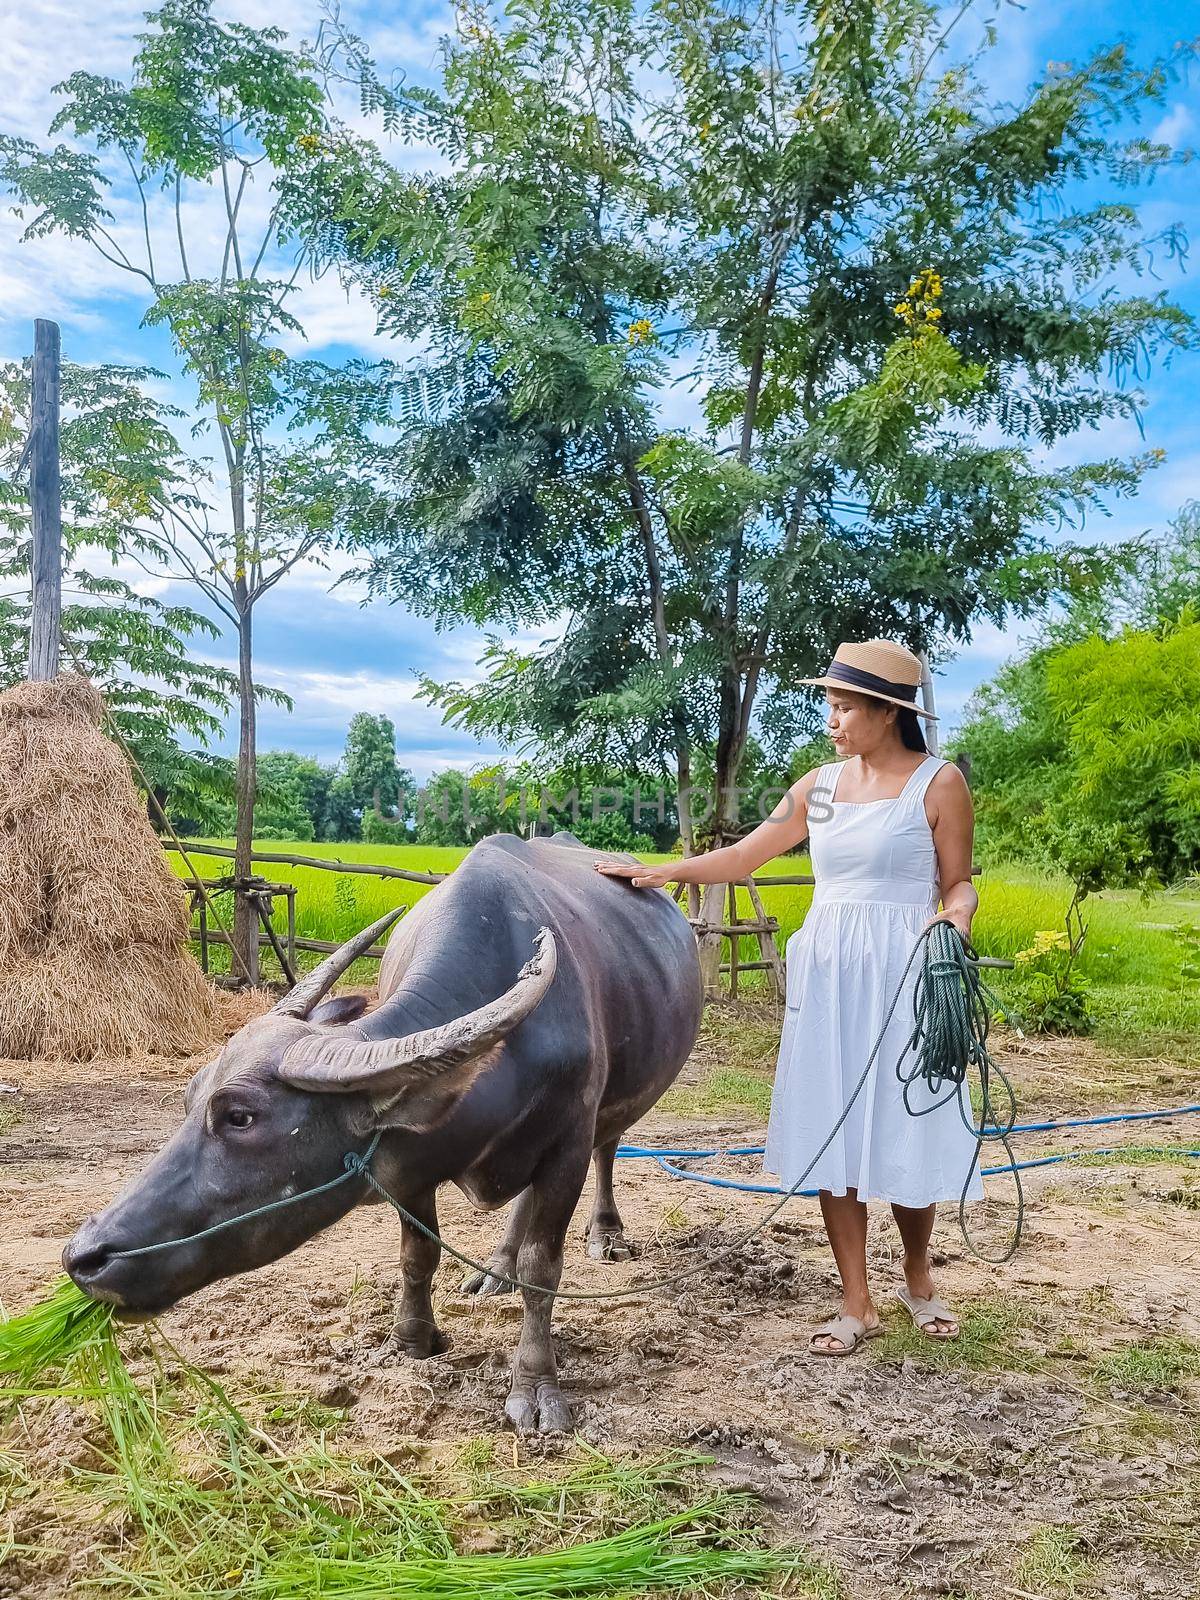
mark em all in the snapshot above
pixel 949 1038
pixel 950 1023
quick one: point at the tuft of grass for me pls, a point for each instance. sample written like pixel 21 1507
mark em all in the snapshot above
pixel 988 1340
pixel 50 1334
pixel 724 1087
pixel 1130 1155
pixel 1052 1564
pixel 1151 1367
pixel 684 1554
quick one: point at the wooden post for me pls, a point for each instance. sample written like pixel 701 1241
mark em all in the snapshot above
pixel 734 941
pixel 929 729
pixel 708 943
pixel 291 925
pixel 45 500
pixel 766 941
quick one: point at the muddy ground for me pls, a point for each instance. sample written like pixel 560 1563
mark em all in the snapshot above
pixel 1055 1450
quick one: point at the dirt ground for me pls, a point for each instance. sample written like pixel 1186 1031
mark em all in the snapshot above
pixel 1053 1451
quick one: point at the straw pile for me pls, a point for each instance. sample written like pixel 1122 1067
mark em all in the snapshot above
pixel 93 923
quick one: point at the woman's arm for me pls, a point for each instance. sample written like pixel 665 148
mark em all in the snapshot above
pixel 954 838
pixel 785 827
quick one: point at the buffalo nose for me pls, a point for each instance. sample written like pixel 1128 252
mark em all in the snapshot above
pixel 84 1258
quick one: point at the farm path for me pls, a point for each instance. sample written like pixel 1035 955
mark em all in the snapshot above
pixel 1054 1451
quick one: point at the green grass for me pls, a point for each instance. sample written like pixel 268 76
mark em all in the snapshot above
pixel 989 1339
pixel 1052 1563
pixel 50 1334
pixel 1152 1367
pixel 1130 1155
pixel 725 1087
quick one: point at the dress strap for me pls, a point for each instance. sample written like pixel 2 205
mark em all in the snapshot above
pixel 923 776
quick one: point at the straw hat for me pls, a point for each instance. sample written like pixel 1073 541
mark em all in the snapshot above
pixel 879 668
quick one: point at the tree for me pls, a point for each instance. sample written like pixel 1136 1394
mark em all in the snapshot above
pixel 890 300
pixel 115 442
pixel 1088 744
pixel 370 762
pixel 213 110
pixel 460 808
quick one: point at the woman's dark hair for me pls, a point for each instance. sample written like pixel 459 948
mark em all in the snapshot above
pixel 911 736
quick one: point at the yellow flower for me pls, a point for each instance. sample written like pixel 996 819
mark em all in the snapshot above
pixel 309 142
pixel 932 314
pixel 641 331
pixel 705 129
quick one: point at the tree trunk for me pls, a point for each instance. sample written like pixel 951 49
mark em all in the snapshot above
pixel 245 916
pixel 930 728
pixel 375 801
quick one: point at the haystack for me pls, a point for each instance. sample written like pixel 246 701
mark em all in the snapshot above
pixel 93 922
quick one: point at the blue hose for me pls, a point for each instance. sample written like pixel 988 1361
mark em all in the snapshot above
pixel 667 1158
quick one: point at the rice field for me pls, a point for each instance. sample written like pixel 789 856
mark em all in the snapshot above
pixel 1133 960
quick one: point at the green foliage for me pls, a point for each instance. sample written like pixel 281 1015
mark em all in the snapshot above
pixel 373 777
pixel 1131 718
pixel 805 214
pixel 1046 993
pixel 457 808
pixel 1086 751
pixel 377 829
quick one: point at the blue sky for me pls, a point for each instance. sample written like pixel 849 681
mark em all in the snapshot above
pixel 335 657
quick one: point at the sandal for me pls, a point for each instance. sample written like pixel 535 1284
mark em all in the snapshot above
pixel 926 1312
pixel 851 1331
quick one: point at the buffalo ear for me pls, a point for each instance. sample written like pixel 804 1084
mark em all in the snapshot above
pixel 426 1103
pixel 342 1008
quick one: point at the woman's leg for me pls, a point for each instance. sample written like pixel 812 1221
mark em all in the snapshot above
pixel 916 1230
pixel 846 1224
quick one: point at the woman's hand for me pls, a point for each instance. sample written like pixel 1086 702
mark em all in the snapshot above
pixel 959 917
pixel 641 876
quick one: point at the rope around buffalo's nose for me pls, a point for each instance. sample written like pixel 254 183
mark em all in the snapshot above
pixel 949 1036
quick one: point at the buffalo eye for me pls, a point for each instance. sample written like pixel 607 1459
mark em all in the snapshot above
pixel 239 1117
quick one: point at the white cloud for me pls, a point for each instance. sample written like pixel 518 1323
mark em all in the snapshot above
pixel 1175 126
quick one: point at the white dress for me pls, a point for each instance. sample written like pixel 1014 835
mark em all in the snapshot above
pixel 875 867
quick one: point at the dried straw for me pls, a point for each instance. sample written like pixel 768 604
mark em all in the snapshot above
pixel 93 923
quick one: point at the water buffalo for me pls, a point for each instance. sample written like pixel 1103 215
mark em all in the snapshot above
pixel 483 1065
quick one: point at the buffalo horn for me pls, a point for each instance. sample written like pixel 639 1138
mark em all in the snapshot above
pixel 298 1002
pixel 334 1063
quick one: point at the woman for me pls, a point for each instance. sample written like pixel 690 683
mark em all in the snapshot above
pixel 890 830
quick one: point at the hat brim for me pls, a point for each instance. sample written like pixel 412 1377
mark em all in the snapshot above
pixel 872 694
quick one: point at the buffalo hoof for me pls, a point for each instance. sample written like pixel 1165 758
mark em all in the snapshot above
pixel 539 1408
pixel 494 1282
pixel 609 1244
pixel 421 1342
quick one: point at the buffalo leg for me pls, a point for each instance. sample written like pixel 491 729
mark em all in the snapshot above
pixel 503 1259
pixel 606 1233
pixel 535 1399
pixel 416 1332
